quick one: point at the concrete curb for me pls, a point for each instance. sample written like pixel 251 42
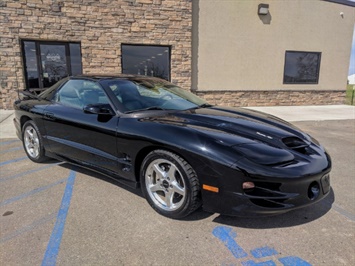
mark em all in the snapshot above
pixel 4 114
pixel 7 128
pixel 309 113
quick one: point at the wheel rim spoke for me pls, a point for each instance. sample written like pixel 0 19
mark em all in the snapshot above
pixel 168 199
pixel 29 133
pixel 159 172
pixel 155 187
pixel 171 173
pixel 178 189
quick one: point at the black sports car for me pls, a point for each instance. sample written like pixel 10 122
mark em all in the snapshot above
pixel 182 151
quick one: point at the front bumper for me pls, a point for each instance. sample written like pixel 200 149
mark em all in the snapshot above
pixel 269 197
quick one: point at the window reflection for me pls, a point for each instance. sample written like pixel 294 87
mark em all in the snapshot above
pixel 75 58
pixel 31 65
pixel 301 67
pixel 54 64
pixel 146 60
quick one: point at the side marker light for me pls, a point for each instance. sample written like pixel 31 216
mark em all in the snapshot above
pixel 210 188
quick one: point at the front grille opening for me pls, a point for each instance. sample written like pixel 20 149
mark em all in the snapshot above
pixel 296 144
pixel 268 203
pixel 265 190
pixel 268 185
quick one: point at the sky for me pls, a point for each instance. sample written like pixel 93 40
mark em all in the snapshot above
pixel 352 57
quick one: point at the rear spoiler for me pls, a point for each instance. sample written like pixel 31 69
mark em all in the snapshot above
pixel 26 95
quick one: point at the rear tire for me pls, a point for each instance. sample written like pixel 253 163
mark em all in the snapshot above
pixel 33 142
pixel 169 184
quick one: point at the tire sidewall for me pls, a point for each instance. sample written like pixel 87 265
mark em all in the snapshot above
pixel 161 154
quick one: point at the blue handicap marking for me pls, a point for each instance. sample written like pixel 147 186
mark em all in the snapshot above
pixel 226 236
pixel 253 263
pixel 293 261
pixel 263 252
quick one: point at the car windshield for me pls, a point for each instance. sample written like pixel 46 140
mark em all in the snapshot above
pixel 152 94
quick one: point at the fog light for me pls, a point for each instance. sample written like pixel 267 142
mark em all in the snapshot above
pixel 313 191
pixel 248 185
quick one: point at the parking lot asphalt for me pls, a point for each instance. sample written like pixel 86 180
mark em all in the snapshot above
pixel 57 214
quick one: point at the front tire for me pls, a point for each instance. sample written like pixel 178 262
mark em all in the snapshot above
pixel 169 184
pixel 32 142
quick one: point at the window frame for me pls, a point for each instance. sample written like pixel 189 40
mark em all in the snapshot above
pixel 94 86
pixel 300 82
pixel 37 44
pixel 169 47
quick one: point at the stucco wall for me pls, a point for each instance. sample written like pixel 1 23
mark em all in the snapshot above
pixel 238 50
pixel 101 26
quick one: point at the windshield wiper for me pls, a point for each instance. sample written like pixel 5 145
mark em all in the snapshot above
pixel 145 109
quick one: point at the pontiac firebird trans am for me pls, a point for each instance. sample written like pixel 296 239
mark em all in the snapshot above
pixel 182 151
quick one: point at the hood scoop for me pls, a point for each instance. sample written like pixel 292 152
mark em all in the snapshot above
pixel 296 144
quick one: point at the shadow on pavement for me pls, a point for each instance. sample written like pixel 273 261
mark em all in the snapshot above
pixel 103 177
pixel 292 218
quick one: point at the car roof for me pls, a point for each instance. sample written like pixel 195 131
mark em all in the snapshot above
pixel 101 77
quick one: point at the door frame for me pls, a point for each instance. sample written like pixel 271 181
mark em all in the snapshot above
pixel 38 43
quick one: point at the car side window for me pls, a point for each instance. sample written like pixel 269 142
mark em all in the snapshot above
pixel 80 93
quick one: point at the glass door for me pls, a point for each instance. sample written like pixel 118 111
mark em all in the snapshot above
pixel 45 63
pixel 54 63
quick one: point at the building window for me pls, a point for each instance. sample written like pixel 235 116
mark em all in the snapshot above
pixel 301 67
pixel 45 63
pixel 146 60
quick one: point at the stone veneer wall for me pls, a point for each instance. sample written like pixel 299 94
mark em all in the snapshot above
pixel 273 98
pixel 101 26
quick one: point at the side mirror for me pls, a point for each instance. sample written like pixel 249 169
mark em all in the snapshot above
pixel 99 109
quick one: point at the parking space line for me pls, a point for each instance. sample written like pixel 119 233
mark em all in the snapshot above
pixel 13 161
pixel 8 142
pixel 30 193
pixel 50 257
pixel 28 172
pixel 10 150
pixel 343 212
pixel 28 227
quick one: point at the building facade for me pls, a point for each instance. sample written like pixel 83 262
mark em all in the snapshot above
pixel 296 53
pixel 225 51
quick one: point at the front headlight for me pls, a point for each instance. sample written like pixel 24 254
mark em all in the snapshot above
pixel 264 154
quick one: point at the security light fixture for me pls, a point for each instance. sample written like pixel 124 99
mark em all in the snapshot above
pixel 263 9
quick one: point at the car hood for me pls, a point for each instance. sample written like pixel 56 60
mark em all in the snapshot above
pixel 238 136
pixel 237 126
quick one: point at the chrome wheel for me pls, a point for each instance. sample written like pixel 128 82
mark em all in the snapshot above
pixel 165 185
pixel 32 142
pixel 169 184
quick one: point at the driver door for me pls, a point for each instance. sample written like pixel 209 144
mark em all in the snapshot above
pixel 79 136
